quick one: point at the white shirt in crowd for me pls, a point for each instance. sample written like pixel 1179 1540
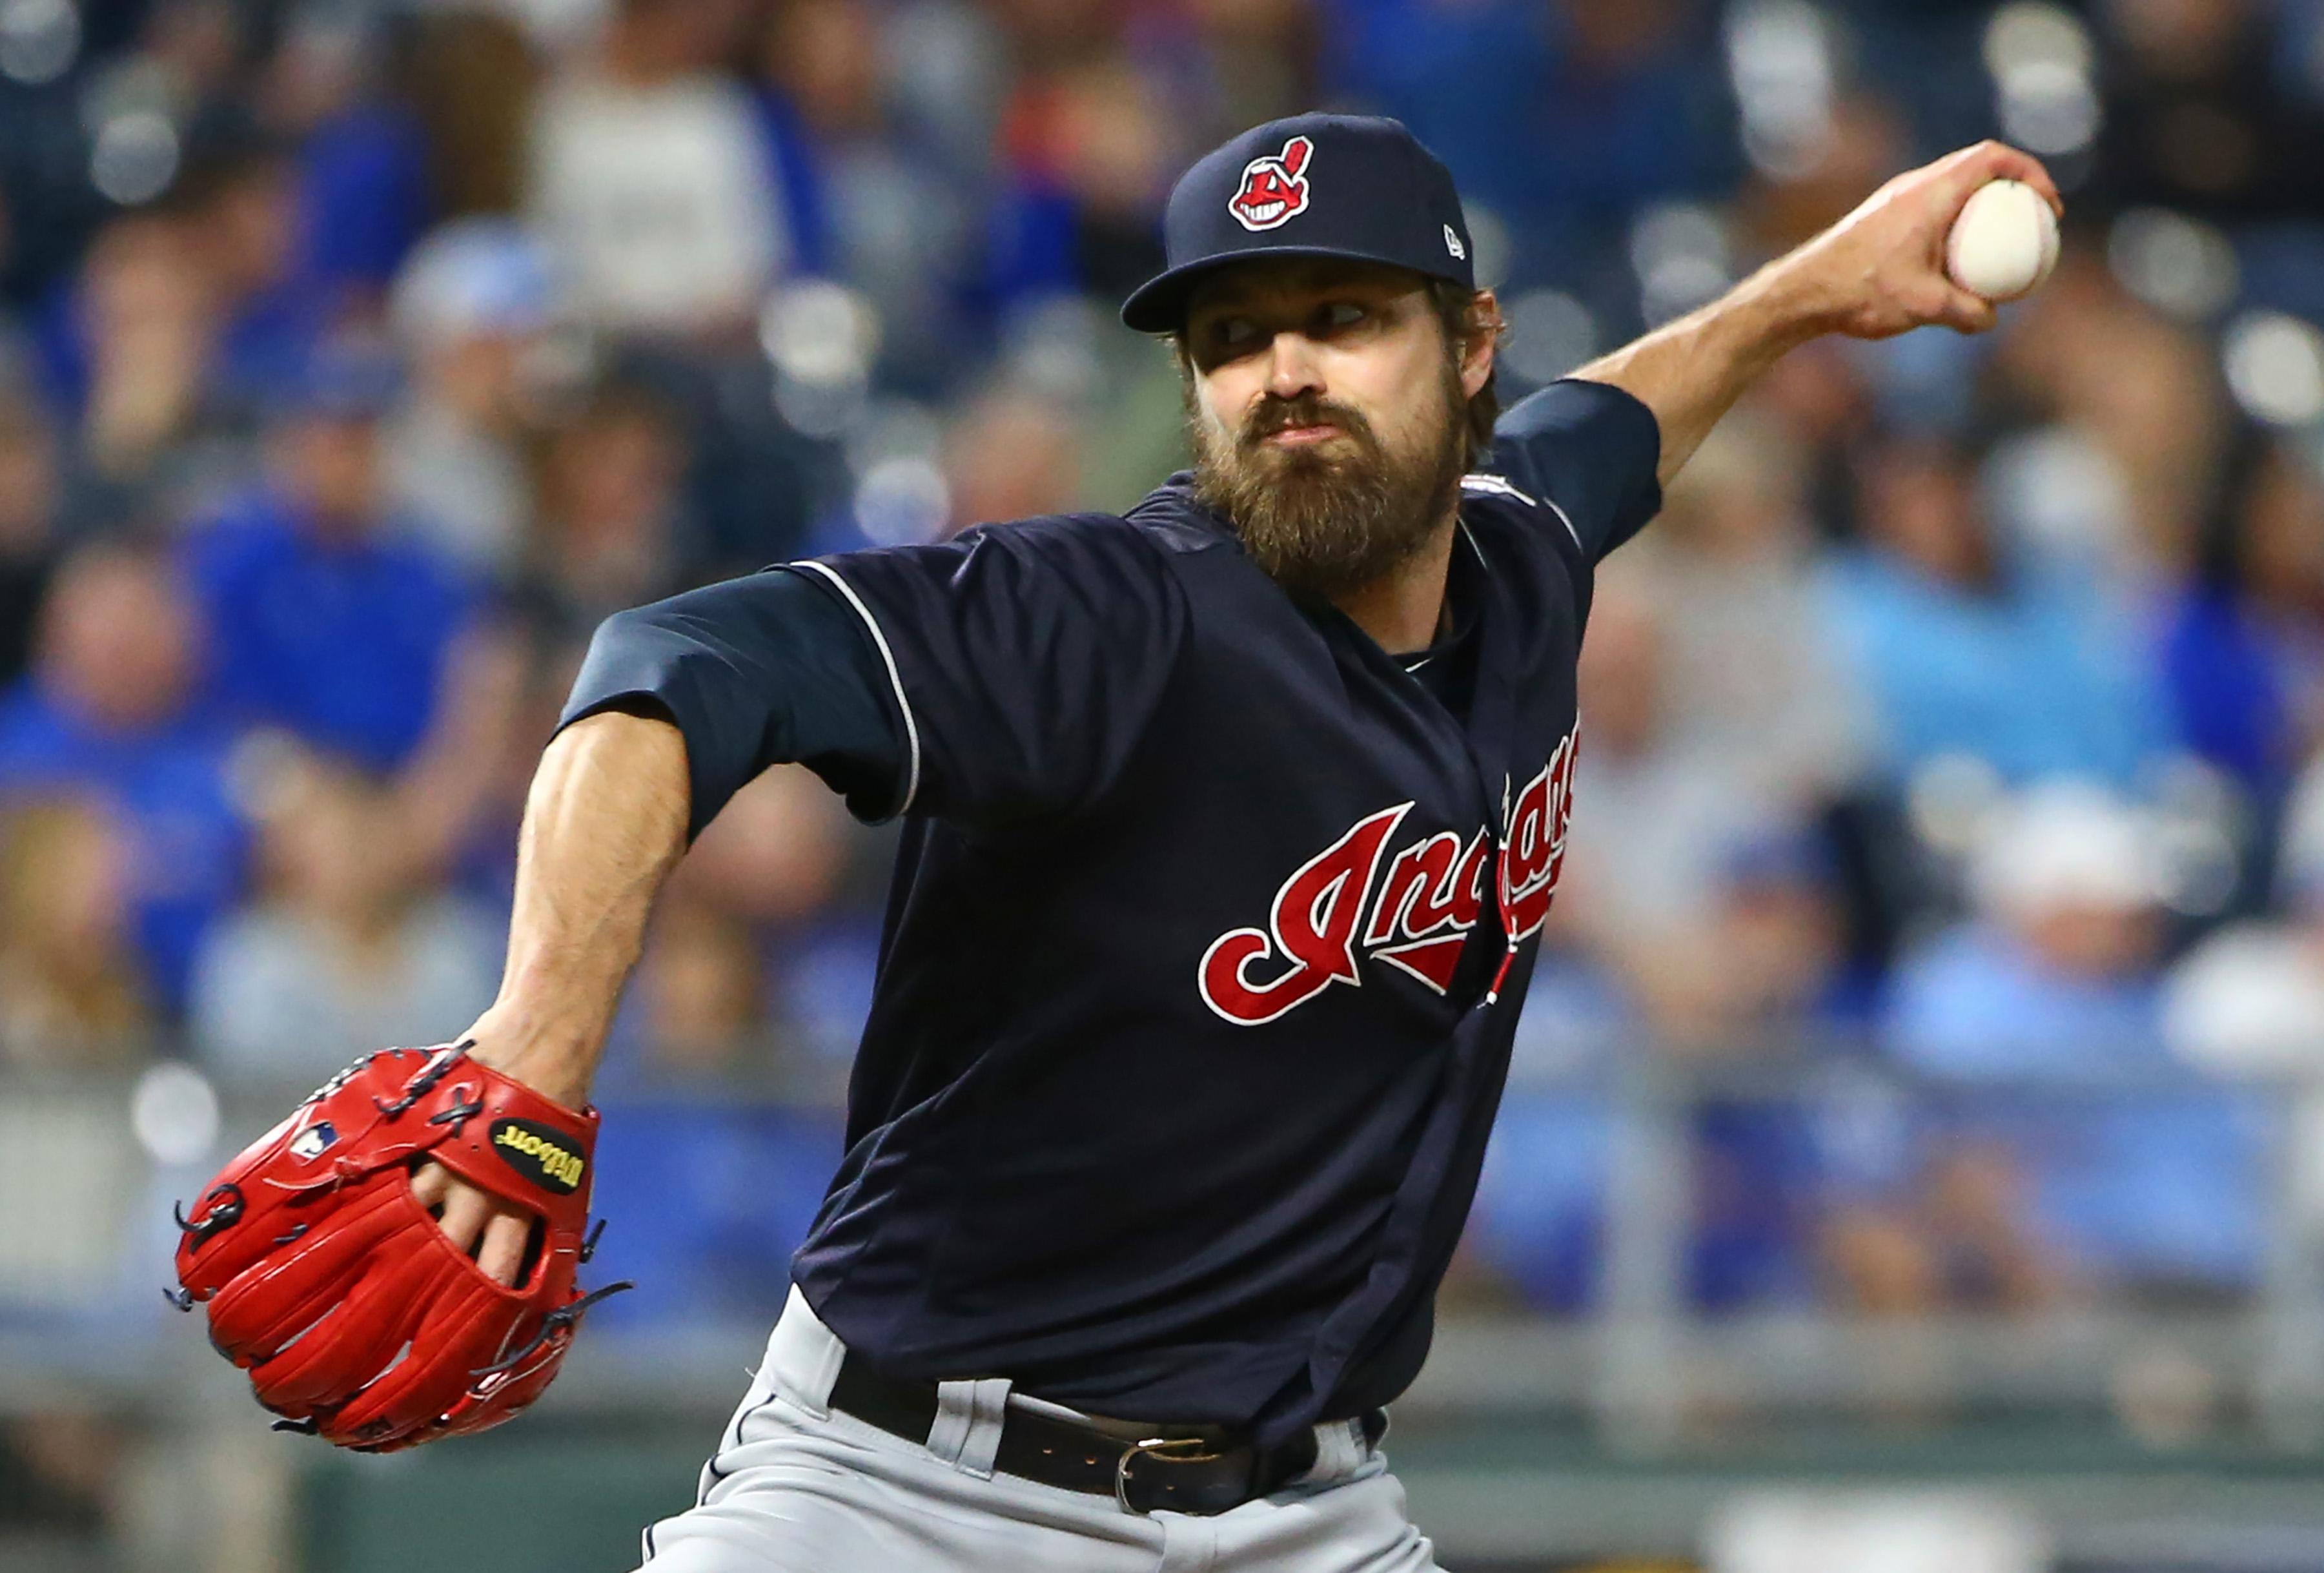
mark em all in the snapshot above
pixel 660 203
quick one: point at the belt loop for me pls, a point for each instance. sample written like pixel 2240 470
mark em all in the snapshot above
pixel 966 1431
pixel 1340 1448
pixel 803 1356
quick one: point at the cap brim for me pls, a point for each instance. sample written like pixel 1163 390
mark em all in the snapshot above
pixel 1159 304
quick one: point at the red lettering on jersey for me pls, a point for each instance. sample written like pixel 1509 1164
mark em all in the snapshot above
pixel 1431 896
pixel 1533 853
pixel 1315 916
pixel 1416 868
pixel 1432 961
pixel 1459 896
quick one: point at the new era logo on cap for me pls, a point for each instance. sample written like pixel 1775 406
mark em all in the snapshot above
pixel 1274 186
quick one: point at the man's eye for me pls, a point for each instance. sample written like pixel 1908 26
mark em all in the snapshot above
pixel 1343 314
pixel 1234 331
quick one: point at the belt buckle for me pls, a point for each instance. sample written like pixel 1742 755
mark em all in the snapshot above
pixel 1160 1447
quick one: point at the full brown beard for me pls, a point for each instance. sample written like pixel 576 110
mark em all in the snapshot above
pixel 1323 524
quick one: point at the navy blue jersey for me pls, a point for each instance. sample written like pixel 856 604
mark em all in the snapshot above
pixel 1209 930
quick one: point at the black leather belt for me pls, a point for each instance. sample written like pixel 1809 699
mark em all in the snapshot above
pixel 1197 1474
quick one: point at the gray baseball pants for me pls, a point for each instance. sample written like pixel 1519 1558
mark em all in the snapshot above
pixel 797 1487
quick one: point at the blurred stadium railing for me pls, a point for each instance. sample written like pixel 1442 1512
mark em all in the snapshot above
pixel 1608 1381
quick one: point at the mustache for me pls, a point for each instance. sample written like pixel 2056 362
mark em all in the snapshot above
pixel 1274 413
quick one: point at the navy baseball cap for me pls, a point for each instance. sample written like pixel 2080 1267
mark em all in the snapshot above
pixel 1354 186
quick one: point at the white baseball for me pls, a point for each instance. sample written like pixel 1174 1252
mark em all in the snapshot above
pixel 2005 242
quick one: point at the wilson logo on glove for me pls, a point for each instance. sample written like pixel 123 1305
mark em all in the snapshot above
pixel 355 1316
pixel 542 1155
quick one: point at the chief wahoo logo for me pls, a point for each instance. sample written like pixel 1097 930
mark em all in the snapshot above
pixel 1274 186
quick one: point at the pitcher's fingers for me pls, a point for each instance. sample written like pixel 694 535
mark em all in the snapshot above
pixel 1974 166
pixel 1966 312
pixel 1957 175
pixel 429 1182
pixel 467 1211
pixel 502 1254
pixel 2008 163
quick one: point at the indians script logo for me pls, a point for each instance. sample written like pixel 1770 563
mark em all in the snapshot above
pixel 1416 918
pixel 1274 186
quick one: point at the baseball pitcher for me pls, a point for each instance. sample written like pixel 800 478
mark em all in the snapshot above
pixel 1229 824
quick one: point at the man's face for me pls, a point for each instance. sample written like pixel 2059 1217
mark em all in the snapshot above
pixel 118 639
pixel 1326 413
pixel 330 463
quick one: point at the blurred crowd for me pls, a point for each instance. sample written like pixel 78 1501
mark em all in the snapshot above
pixel 1951 803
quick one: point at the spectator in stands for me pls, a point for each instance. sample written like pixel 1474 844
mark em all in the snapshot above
pixel 651 180
pixel 31 495
pixel 362 157
pixel 1760 987
pixel 1011 454
pixel 2139 387
pixel 109 715
pixel 1616 102
pixel 701 1009
pixel 349 947
pixel 128 349
pixel 2243 644
pixel 1754 672
pixel 889 212
pixel 2197 115
pixel 1656 813
pixel 188 316
pixel 330 622
pixel 2043 1016
pixel 469 309
pixel 1090 152
pixel 2250 998
pixel 613 531
pixel 1818 398
pixel 73 992
pixel 2057 971
pixel 1970 648
pixel 1777 929
pixel 326 621
pixel 238 199
pixel 1251 60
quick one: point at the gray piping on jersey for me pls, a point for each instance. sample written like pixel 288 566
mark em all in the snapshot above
pixel 1479 550
pixel 895 678
pixel 1500 484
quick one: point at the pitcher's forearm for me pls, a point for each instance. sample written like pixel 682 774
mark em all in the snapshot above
pixel 603 825
pixel 1689 372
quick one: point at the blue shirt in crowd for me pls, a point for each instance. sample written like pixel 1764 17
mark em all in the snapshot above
pixel 2034 679
pixel 2138 1171
pixel 166 787
pixel 343 643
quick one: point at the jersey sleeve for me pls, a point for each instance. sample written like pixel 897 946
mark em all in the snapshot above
pixel 755 671
pixel 1026 660
pixel 1587 452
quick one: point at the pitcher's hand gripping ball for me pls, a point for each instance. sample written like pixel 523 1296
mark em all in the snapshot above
pixel 355 1316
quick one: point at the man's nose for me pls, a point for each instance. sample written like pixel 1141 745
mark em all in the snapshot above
pixel 1291 367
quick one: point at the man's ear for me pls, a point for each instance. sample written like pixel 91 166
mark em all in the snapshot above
pixel 1483 342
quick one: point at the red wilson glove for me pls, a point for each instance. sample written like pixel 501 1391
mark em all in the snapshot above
pixel 355 1316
